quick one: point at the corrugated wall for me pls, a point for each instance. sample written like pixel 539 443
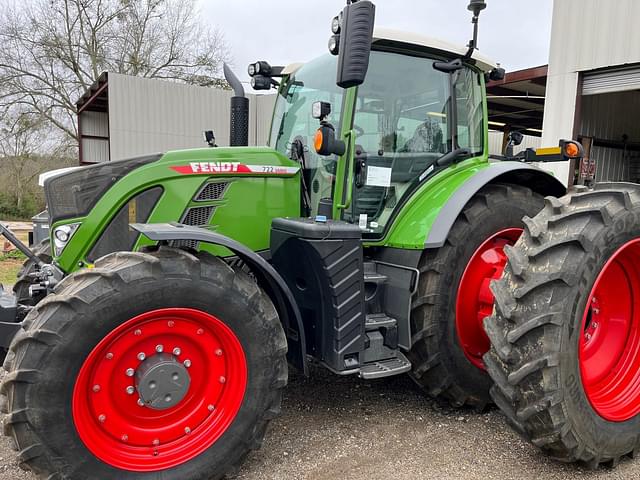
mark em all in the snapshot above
pixel 148 116
pixel 609 117
pixel 586 35
pixel 95 125
pixel 495 143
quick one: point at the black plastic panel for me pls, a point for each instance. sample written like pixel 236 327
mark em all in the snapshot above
pixel 118 236
pixel 74 194
pixel 323 266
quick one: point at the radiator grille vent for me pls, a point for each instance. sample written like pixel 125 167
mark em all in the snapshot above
pixel 212 191
pixel 197 217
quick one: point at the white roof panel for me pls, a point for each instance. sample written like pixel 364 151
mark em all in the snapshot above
pixel 483 62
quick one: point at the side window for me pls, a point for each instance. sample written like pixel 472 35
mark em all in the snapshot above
pixel 470 112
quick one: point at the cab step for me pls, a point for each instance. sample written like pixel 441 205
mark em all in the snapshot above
pixel 385 368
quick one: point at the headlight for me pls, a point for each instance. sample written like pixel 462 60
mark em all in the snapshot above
pixel 62 235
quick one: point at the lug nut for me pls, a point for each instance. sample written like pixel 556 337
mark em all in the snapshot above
pixel 588 336
pixel 223 380
pixel 137 333
pixel 130 390
pixel 102 418
pixel 125 438
pixel 596 311
pixel 109 356
pixel 159 348
pixel 130 372
pixel 219 352
pixel 187 430
pixel 177 352
pixel 141 356
pixel 200 331
pixel 187 363
pixel 211 408
pixel 156 442
pixel 96 388
pixel 170 323
pixel 140 402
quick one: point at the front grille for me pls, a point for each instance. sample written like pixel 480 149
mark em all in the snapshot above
pixel 197 217
pixel 212 191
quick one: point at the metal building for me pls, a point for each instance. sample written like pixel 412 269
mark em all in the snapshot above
pixel 593 88
pixel 122 117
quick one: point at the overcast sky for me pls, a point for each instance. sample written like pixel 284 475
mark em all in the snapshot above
pixel 514 33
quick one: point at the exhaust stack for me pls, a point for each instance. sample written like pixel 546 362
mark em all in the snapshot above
pixel 239 128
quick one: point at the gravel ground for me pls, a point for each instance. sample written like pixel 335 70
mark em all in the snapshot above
pixel 346 428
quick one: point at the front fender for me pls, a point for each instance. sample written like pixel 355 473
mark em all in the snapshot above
pixel 268 279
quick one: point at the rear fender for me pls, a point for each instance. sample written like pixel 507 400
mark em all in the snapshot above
pixel 506 172
pixel 268 279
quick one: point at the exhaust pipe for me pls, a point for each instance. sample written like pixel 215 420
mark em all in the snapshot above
pixel 239 128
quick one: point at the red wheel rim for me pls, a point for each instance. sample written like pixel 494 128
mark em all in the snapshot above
pixel 475 299
pixel 610 340
pixel 124 434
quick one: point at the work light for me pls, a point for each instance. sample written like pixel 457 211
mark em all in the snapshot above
pixel 334 45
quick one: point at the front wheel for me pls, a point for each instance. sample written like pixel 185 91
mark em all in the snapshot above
pixel 565 332
pixel 152 365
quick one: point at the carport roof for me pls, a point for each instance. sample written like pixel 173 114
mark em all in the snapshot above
pixel 517 102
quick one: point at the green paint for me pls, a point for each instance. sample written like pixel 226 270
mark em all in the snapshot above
pixel 245 213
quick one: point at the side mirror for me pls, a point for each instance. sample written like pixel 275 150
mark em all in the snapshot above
pixel 354 42
pixel 516 138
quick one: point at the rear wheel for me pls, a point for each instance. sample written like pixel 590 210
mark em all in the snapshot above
pixel 454 297
pixel 565 334
pixel 161 364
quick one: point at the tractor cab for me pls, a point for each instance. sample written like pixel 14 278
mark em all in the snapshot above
pixel 399 122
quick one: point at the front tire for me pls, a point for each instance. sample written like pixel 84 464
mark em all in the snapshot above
pixel 84 374
pixel 565 332
pixel 453 296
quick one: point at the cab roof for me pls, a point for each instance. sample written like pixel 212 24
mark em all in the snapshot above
pixel 399 36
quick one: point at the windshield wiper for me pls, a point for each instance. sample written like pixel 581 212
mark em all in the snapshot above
pixel 453 156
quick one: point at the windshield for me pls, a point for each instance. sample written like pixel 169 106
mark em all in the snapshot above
pixel 293 120
pixel 402 129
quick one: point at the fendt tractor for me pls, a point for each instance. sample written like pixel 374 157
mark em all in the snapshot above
pixel 372 237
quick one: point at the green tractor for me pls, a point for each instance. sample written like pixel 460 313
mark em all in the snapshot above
pixel 155 341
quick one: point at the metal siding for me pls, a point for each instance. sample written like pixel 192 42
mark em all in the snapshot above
pixel 609 117
pixel 95 124
pixel 611 81
pixel 586 35
pixel 148 116
pixel 495 143
pixel 95 150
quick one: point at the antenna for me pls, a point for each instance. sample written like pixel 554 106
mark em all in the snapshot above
pixel 475 6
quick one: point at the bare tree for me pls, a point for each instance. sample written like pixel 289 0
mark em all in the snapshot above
pixel 53 50
pixel 27 149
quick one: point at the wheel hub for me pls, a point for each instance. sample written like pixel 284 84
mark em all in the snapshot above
pixel 159 389
pixel 162 381
pixel 609 347
pixel 475 299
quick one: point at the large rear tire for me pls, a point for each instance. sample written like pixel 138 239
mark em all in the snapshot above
pixel 453 295
pixel 84 376
pixel 565 332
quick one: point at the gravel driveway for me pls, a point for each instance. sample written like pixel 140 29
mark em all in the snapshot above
pixel 344 428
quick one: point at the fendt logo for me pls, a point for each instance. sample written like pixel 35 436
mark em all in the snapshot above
pixel 199 168
pixel 214 167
